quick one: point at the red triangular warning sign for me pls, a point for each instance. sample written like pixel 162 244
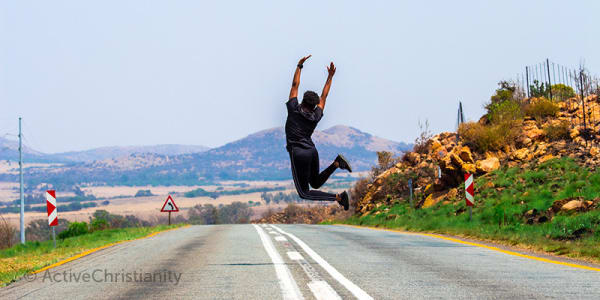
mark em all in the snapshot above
pixel 169 205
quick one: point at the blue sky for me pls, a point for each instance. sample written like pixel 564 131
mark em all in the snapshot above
pixel 85 74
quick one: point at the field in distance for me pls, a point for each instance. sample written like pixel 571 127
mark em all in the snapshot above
pixel 122 200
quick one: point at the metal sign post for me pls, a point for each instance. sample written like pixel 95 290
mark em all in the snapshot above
pixel 411 192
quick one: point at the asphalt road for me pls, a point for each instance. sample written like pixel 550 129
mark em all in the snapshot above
pixel 303 262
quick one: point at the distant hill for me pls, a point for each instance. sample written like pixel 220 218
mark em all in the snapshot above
pixel 115 152
pixel 9 150
pixel 259 156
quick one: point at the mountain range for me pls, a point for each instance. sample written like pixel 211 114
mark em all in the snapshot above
pixel 9 150
pixel 259 156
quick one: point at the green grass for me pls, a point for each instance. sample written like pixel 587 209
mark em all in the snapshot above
pixel 24 258
pixel 499 210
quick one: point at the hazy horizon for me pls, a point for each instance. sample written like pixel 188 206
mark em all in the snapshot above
pixel 113 73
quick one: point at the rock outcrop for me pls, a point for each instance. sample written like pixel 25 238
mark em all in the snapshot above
pixel 439 169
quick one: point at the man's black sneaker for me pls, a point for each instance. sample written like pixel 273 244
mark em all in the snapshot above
pixel 344 202
pixel 344 164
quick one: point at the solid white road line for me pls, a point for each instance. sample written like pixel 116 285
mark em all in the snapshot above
pixel 353 288
pixel 289 287
pixel 293 255
pixel 280 238
pixel 322 290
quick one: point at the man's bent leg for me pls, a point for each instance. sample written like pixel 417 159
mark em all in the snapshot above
pixel 318 179
pixel 301 170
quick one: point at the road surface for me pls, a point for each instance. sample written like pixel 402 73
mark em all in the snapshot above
pixel 303 262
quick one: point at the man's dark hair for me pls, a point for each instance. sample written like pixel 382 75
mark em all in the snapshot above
pixel 310 99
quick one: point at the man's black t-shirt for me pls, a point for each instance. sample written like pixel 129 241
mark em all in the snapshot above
pixel 300 125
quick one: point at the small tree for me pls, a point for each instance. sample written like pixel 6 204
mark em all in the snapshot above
pixel 385 160
pixel 423 139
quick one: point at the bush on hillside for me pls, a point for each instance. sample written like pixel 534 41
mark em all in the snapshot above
pixel 75 229
pixel 562 92
pixel 489 137
pixel 8 234
pixel 538 89
pixel 39 230
pixel 504 105
pixel 508 110
pixel 385 160
pixel 422 141
pixel 542 108
pixel 359 191
pixel 558 131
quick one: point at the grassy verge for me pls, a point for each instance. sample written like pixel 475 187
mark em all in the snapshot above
pixel 21 259
pixel 513 207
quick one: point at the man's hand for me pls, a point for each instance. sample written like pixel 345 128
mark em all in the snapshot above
pixel 296 80
pixel 331 69
pixel 302 60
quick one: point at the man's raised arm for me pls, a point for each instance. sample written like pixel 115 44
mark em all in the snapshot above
pixel 330 71
pixel 296 81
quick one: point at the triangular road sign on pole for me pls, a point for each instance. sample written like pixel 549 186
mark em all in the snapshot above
pixel 169 205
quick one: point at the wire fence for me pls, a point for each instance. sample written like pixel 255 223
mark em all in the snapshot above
pixel 576 87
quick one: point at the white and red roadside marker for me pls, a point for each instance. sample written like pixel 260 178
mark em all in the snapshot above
pixel 469 189
pixel 51 208
pixel 52 212
pixel 469 193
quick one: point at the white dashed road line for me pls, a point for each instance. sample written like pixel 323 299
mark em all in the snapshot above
pixel 353 288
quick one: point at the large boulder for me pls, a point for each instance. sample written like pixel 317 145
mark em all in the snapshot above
pixel 488 165
pixel 412 158
pixel 521 154
pixel 465 154
pixel 573 205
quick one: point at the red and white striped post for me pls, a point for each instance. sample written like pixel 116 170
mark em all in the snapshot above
pixel 469 193
pixel 52 212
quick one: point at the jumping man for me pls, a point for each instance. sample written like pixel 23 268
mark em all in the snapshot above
pixel 301 122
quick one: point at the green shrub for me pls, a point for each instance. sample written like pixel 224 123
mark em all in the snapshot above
pixel 75 229
pixel 98 224
pixel 489 137
pixel 541 108
pixel 508 110
pixel 559 131
pixel 562 92
pixel 538 89
pixel 503 105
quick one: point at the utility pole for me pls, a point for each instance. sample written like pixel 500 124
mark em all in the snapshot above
pixel 21 181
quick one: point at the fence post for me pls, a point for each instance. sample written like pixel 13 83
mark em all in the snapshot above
pixel 549 81
pixel 527 77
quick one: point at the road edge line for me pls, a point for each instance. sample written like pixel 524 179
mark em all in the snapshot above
pixel 287 283
pixel 546 260
pixel 88 252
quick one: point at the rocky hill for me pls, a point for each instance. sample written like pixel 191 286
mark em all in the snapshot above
pixel 438 166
